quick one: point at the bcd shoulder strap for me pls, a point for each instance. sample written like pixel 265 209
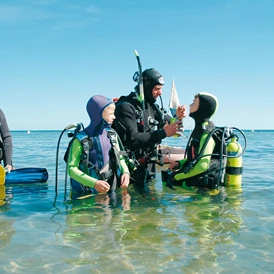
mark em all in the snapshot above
pixel 87 144
pixel 115 143
pixel 210 130
pixel 133 102
pixel 159 115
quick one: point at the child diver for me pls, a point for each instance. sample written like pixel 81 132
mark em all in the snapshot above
pixel 94 162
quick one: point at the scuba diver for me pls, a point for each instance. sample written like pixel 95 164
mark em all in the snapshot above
pixel 5 143
pixel 204 165
pixel 143 125
pixel 94 161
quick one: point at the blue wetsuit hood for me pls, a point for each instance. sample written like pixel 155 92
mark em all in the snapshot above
pixel 95 107
pixel 97 129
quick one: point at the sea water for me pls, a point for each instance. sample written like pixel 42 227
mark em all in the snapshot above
pixel 44 230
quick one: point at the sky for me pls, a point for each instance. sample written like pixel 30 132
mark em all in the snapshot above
pixel 56 54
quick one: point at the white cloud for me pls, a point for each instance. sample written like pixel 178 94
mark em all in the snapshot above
pixel 56 14
pixel 10 13
pixel 91 9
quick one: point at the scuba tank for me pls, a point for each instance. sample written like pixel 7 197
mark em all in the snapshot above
pixel 234 167
pixel 2 194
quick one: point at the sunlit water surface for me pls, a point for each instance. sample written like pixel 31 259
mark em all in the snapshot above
pixel 166 231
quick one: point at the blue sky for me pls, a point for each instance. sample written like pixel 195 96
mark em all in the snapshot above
pixel 54 55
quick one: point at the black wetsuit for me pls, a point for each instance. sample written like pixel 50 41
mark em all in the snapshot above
pixel 5 140
pixel 142 140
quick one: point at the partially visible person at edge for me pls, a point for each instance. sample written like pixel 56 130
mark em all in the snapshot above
pixel 142 140
pixel 206 170
pixel 5 143
pixel 103 173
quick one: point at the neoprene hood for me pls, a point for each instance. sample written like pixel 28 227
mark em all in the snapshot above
pixel 151 78
pixel 208 106
pixel 95 107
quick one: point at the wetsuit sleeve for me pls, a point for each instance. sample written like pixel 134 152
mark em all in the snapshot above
pixel 126 126
pixel 202 165
pixel 123 165
pixel 73 165
pixel 7 139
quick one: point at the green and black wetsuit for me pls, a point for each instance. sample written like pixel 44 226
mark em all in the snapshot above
pixel 200 167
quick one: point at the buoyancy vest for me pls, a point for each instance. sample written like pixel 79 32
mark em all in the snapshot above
pixel 214 175
pixel 152 119
pixel 109 169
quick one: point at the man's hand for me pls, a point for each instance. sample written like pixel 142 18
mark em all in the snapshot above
pixel 8 168
pixel 173 129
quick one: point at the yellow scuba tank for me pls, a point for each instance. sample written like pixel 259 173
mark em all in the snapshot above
pixel 234 167
pixel 2 194
pixel 2 175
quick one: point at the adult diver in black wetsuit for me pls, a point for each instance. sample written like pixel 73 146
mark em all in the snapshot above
pixel 5 143
pixel 141 139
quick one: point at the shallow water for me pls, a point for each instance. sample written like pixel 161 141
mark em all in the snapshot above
pixel 165 231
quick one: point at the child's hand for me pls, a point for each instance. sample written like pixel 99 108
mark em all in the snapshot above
pixel 102 186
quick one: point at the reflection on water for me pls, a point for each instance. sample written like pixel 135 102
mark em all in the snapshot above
pixel 2 194
pixel 182 231
pixel 213 225
pixel 95 225
pixel 7 231
pixel 165 231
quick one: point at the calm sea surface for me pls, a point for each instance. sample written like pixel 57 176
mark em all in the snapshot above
pixel 165 231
